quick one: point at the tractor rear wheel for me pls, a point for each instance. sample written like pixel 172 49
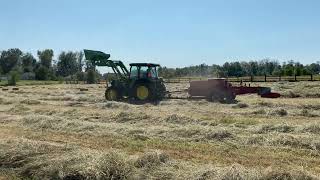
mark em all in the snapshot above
pixel 112 94
pixel 143 92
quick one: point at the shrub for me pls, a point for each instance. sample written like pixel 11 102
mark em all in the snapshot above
pixel 28 76
pixel 52 75
pixel 81 76
pixel 91 77
pixel 60 79
pixel 42 73
pixel 13 78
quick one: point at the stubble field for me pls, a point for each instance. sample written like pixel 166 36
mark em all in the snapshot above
pixel 60 132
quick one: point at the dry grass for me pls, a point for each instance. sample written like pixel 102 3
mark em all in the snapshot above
pixel 59 132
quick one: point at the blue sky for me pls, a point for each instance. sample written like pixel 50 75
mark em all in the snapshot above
pixel 172 33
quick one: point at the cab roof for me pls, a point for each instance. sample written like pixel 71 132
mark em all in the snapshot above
pixel 144 64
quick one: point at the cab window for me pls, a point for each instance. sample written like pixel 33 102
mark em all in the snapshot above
pixel 143 72
pixel 134 72
pixel 153 72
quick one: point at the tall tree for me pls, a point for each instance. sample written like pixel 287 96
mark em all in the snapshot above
pixel 28 62
pixel 10 59
pixel 45 57
pixel 80 62
pixel 67 63
pixel 314 68
pixel 42 73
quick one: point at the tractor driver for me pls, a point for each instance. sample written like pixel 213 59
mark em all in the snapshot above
pixel 151 73
pixel 148 72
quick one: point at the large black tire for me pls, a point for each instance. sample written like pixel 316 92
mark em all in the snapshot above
pixel 215 97
pixel 143 92
pixel 222 97
pixel 229 97
pixel 112 94
pixel 159 91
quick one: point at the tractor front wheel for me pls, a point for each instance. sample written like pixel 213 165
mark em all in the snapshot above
pixel 112 94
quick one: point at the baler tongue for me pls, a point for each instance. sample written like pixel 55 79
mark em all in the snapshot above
pixel 95 55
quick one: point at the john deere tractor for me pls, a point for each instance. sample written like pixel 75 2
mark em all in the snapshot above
pixel 140 83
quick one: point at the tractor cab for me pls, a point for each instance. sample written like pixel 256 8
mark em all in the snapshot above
pixel 143 71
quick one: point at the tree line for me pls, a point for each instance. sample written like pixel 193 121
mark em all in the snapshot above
pixel 69 65
pixel 240 69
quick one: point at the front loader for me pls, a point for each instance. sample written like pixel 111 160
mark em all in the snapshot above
pixel 140 83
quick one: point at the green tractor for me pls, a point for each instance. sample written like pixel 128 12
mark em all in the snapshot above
pixel 140 83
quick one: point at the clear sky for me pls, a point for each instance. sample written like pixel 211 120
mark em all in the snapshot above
pixel 170 32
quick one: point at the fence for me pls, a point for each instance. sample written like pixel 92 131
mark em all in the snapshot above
pixel 230 79
pixel 250 79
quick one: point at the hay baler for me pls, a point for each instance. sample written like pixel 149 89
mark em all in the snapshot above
pixel 223 91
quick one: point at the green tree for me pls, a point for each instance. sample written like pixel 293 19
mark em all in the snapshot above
pixel 28 62
pixel 10 59
pixel 314 68
pixel 288 69
pixel 233 69
pixel 45 57
pixel 166 72
pixel 298 69
pixel 217 71
pixel 277 71
pixel 42 73
pixel 81 76
pixel 67 64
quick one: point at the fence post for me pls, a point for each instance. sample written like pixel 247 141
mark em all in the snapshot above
pixel 251 78
pixel 265 78
pixel 311 77
pixel 279 77
pixel 295 77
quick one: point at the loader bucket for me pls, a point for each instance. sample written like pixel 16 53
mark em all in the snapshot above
pixel 95 55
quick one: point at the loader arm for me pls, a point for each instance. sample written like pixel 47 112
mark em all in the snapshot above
pixel 98 58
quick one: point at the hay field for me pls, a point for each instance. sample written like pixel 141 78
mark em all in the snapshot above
pixel 60 132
